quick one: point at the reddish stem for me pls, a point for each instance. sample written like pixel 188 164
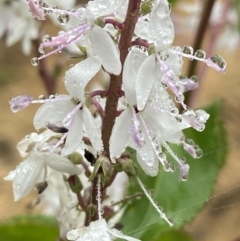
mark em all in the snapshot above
pixel 116 81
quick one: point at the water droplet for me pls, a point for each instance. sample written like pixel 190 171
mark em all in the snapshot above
pixel 180 98
pixel 184 178
pixel 41 97
pixel 63 18
pixel 172 168
pixel 194 78
pixel 158 149
pixel 41 50
pixel 171 221
pixel 174 111
pixel 217 59
pixel 46 38
pixel 35 61
pixel 199 153
pixel 162 156
pixel 51 97
pixel 200 54
pixel 188 50
pixel 155 141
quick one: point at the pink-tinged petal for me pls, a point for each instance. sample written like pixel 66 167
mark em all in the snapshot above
pixel 77 77
pixel 20 102
pixel 134 59
pixel 101 8
pixel 52 112
pixel 106 50
pixel 184 170
pixel 61 164
pixel 145 78
pixel 74 135
pixel 161 26
pixel 120 133
pixel 27 175
pixel 36 11
pixel 93 129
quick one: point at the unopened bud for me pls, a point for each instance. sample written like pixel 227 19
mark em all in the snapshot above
pixel 76 158
pixel 74 183
pixel 102 167
pixel 126 165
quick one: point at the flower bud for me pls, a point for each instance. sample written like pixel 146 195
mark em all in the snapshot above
pixel 76 158
pixel 126 165
pixel 102 167
pixel 75 183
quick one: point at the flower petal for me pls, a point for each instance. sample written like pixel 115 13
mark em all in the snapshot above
pixel 74 135
pixel 93 129
pixel 27 174
pixel 101 8
pixel 106 50
pixel 120 134
pixel 77 77
pixel 52 112
pixel 61 164
pixel 134 59
pixel 145 78
pixel 161 25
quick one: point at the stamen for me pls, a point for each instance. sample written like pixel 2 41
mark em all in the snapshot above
pixel 162 214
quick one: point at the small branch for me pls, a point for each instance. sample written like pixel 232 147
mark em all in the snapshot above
pixel 115 23
pixel 140 42
pixel 81 202
pixel 99 107
pixel 102 93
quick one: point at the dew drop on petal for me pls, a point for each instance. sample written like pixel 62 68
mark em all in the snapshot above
pixel 174 111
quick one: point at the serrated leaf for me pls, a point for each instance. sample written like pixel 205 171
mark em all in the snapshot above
pixel 180 200
pixel 29 228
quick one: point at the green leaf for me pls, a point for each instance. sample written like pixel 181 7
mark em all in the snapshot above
pixel 29 228
pixel 180 200
pixel 172 235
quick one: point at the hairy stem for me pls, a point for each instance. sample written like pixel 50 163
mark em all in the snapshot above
pixel 116 81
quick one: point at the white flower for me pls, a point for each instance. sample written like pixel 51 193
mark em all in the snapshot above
pixel 28 172
pixel 71 111
pixel 97 230
pixel 102 47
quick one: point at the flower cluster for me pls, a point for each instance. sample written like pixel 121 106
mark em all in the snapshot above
pixel 131 43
